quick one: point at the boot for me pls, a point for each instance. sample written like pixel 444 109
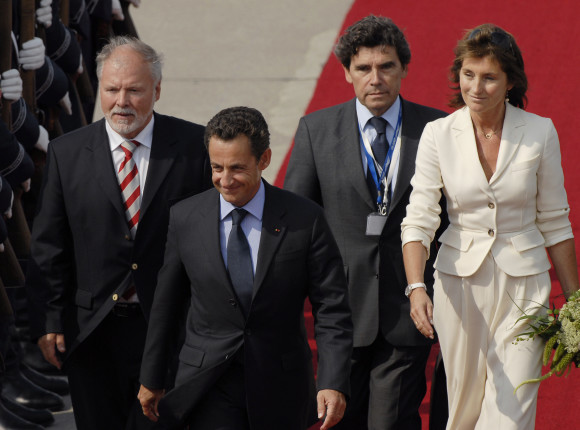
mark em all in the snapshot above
pixel 37 416
pixel 20 390
pixel 56 384
pixel 10 421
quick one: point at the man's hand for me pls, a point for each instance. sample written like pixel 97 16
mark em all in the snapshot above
pixel 48 344
pixel 422 312
pixel 332 404
pixel 149 400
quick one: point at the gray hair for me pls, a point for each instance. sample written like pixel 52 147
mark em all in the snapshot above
pixel 149 54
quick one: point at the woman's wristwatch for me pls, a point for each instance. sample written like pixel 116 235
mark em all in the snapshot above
pixel 411 287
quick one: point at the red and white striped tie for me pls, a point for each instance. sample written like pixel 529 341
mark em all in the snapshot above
pixel 129 181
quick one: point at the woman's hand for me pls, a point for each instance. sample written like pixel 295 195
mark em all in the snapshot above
pixel 422 312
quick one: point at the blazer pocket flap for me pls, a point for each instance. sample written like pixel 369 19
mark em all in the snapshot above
pixel 295 359
pixel 527 240
pixel 191 356
pixel 84 299
pixel 522 165
pixel 291 255
pixel 456 239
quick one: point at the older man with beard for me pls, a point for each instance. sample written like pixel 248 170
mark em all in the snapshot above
pixel 99 234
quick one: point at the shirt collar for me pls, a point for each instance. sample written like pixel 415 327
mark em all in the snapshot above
pixel 391 115
pixel 254 206
pixel 145 138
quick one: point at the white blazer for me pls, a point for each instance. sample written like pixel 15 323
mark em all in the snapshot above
pixel 520 211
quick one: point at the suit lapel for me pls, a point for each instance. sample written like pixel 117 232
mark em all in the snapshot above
pixel 511 136
pixel 273 231
pixel 207 222
pixel 464 143
pixel 163 154
pixel 349 151
pixel 409 145
pixel 106 176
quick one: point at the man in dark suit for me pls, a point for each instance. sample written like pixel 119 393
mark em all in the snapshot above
pixel 100 231
pixel 246 363
pixel 339 161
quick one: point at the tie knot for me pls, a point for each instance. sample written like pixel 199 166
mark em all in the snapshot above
pixel 379 124
pixel 129 145
pixel 238 216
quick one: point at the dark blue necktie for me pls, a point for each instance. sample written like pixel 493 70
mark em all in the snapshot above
pixel 240 261
pixel 380 145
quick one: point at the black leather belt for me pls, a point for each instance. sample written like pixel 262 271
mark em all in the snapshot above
pixel 127 310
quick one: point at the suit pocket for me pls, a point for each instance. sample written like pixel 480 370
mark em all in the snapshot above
pixel 191 356
pixel 527 240
pixel 296 359
pixel 84 299
pixel 456 239
pixel 523 165
pixel 292 255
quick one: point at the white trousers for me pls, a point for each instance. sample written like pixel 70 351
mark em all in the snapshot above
pixel 475 319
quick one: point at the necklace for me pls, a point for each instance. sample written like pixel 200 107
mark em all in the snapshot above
pixel 487 135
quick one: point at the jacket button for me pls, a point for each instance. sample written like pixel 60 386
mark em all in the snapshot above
pixel 491 205
pixel 115 297
pixel 491 232
pixel 232 302
pixel 127 237
pixel 134 266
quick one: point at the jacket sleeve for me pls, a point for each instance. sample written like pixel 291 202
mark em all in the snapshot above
pixel 170 294
pixel 330 308
pixel 301 176
pixel 551 202
pixel 423 211
pixel 52 257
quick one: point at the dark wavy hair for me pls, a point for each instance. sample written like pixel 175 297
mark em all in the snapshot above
pixel 369 32
pixel 489 40
pixel 228 123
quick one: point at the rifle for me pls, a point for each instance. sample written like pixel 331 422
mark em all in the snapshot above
pixel 5 49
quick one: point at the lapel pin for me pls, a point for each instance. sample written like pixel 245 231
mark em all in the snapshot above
pixel 277 230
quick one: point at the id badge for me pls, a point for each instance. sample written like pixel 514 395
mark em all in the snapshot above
pixel 375 224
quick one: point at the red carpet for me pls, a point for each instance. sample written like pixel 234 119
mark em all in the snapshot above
pixel 546 33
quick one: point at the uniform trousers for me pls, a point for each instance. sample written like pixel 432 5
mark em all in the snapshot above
pixel 475 318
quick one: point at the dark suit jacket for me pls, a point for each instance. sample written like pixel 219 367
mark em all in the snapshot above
pixel 326 166
pixel 297 258
pixel 80 240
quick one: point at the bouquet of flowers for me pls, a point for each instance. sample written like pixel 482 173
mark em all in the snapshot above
pixel 560 328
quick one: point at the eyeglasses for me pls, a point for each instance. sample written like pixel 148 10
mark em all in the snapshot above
pixel 497 38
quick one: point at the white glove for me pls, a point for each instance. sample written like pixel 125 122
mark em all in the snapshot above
pixel 31 56
pixel 11 84
pixel 135 3
pixel 43 139
pixel 44 13
pixel 117 11
pixel 65 104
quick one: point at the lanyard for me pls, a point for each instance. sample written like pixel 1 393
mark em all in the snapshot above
pixel 378 172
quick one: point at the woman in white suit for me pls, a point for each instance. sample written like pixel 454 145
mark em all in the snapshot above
pixel 499 168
